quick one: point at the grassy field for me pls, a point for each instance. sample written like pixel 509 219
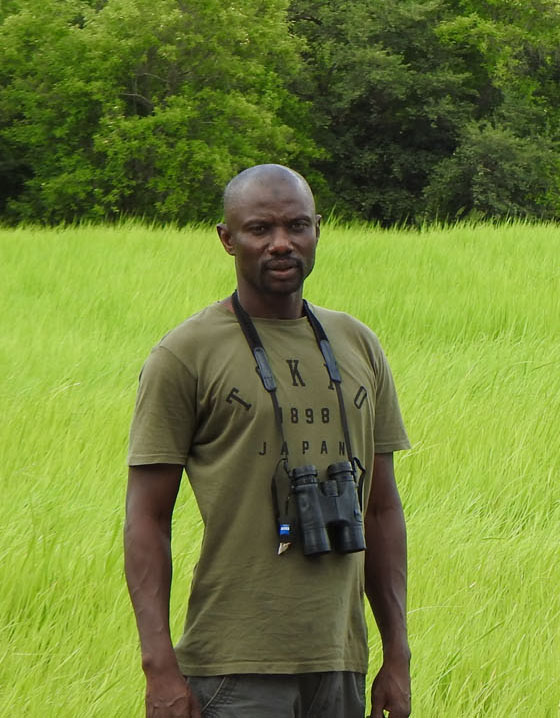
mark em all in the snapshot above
pixel 470 319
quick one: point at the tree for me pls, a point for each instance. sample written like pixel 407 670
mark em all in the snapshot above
pixel 495 174
pixel 396 87
pixel 388 100
pixel 506 163
pixel 118 107
pixel 128 107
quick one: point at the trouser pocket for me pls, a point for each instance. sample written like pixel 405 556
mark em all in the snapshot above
pixel 212 691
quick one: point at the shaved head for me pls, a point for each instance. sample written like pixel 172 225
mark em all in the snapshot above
pixel 263 176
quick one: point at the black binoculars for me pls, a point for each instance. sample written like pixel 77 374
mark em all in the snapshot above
pixel 328 511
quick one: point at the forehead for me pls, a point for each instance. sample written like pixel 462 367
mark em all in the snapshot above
pixel 270 197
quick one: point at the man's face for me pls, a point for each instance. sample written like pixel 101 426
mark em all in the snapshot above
pixel 272 231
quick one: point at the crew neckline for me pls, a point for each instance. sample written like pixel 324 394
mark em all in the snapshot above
pixel 263 320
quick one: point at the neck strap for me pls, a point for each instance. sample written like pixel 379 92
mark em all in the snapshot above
pixel 267 377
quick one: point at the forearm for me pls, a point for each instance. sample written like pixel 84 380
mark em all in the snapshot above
pixel 385 576
pixel 148 571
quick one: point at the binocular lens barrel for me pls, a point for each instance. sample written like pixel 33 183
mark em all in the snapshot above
pixel 328 505
pixel 314 533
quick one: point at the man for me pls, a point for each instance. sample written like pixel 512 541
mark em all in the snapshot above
pixel 270 631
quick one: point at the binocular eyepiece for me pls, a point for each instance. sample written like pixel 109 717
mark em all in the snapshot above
pixel 329 511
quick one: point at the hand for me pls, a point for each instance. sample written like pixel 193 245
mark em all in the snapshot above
pixel 170 697
pixel 390 691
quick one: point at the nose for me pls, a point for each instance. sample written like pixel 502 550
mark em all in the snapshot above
pixel 280 241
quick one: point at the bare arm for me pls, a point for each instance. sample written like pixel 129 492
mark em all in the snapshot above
pixel 150 500
pixel 385 584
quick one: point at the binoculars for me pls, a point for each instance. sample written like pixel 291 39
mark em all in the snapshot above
pixel 329 511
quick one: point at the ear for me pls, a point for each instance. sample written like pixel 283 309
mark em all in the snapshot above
pixel 225 237
pixel 317 226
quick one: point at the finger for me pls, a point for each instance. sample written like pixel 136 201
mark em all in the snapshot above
pixel 377 713
pixel 399 713
pixel 194 707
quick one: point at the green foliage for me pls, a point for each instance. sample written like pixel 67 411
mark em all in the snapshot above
pixel 133 107
pixel 397 88
pixel 397 111
pixel 387 100
pixel 506 164
pixel 494 174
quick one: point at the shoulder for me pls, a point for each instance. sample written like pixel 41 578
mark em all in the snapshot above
pixel 342 327
pixel 186 345
pixel 342 320
pixel 201 329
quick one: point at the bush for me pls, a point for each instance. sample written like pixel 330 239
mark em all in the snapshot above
pixel 143 108
pixel 493 173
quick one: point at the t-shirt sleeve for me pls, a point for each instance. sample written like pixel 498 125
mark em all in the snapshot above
pixel 389 432
pixel 164 414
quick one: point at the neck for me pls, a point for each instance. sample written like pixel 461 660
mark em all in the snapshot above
pixel 274 306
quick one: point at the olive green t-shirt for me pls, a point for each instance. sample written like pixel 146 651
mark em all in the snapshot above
pixel 201 404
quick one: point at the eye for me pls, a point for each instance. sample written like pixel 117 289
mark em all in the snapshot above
pixel 299 225
pixel 258 229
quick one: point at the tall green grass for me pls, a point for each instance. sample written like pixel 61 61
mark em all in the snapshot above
pixel 470 319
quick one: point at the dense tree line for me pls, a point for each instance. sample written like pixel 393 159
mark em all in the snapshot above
pixel 398 110
pixel 142 107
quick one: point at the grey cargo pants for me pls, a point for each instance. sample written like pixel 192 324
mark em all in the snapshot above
pixel 338 694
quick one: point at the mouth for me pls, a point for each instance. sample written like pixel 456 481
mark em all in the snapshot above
pixel 281 266
pixel 283 272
